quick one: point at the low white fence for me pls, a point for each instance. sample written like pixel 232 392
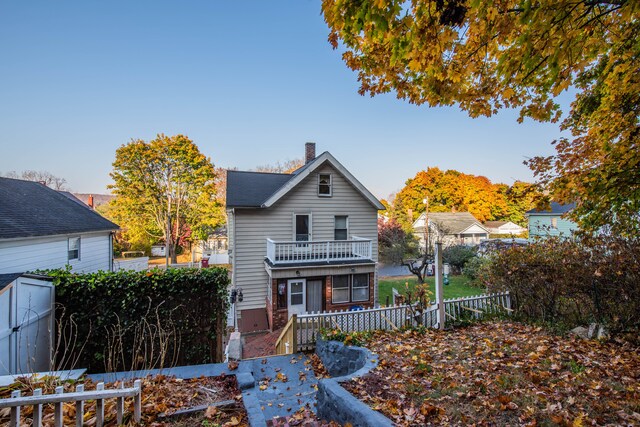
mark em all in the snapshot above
pixel 16 401
pixel 308 326
pixel 134 264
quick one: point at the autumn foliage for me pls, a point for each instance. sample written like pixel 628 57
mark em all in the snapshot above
pixel 487 55
pixel 452 190
pixel 571 282
pixel 500 373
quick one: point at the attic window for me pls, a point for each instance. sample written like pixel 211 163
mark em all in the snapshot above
pixel 324 185
pixel 73 248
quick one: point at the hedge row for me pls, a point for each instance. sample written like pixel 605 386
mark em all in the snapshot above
pixel 571 282
pixel 113 321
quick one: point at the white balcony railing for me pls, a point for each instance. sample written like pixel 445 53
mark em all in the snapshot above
pixel 319 251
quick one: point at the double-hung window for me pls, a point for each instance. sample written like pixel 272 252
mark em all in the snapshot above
pixel 360 287
pixel 341 228
pixel 340 288
pixel 350 288
pixel 324 185
pixel 73 248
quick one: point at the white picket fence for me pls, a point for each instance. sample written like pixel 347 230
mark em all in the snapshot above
pixel 308 326
pixel 16 401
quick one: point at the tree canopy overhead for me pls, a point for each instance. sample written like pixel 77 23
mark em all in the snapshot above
pixel 487 55
pixel 165 188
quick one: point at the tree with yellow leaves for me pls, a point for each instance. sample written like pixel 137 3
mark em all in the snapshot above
pixel 488 55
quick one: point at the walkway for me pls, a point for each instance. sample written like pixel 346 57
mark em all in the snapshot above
pixel 260 345
pixel 283 384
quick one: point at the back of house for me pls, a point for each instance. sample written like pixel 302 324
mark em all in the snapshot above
pixel 301 242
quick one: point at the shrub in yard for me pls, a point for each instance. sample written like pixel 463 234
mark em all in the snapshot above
pixel 141 320
pixel 472 268
pixel 457 256
pixel 572 281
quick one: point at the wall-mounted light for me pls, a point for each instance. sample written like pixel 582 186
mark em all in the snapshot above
pixel 298 273
pixel 353 270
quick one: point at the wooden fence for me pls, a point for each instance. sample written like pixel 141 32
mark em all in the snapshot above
pixel 16 401
pixel 302 330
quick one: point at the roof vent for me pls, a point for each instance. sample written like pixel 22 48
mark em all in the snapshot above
pixel 309 152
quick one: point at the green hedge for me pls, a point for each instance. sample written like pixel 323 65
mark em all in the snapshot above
pixel 140 320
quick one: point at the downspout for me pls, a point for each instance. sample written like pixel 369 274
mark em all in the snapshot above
pixel 111 233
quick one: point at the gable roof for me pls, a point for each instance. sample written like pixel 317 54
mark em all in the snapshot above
pixel 556 209
pixel 252 189
pixel 260 190
pixel 30 209
pixel 450 222
pixel 495 224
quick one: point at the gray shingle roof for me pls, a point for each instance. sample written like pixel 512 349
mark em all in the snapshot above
pixel 453 222
pixel 7 279
pixel 556 209
pixel 29 209
pixel 252 189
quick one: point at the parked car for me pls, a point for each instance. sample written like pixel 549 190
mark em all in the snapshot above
pixel 487 247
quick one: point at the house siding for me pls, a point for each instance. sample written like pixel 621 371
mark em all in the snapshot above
pixel 249 229
pixel 540 226
pixel 20 255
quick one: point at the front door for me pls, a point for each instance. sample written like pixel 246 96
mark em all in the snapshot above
pixel 314 296
pixel 297 296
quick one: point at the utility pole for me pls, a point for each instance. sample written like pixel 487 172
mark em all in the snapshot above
pixel 426 224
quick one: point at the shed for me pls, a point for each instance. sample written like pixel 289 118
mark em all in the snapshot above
pixel 26 323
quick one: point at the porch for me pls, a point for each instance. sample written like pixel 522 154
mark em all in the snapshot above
pixel 288 253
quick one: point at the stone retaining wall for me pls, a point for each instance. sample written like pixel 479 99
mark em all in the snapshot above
pixel 334 402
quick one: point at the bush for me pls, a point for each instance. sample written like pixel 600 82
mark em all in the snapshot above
pixel 571 282
pixel 472 269
pixel 141 320
pixel 457 256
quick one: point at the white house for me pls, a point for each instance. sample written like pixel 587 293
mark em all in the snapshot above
pixel 504 227
pixel 301 242
pixel 41 228
pixel 450 228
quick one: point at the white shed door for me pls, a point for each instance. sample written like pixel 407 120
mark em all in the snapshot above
pixel 26 326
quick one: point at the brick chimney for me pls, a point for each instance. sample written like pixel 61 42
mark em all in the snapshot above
pixel 90 201
pixel 309 152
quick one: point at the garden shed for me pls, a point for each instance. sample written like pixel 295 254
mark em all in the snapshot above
pixel 26 323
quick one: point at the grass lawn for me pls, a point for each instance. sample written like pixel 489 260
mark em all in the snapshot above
pixel 458 287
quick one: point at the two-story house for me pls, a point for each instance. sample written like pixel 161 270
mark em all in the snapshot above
pixel 301 242
pixel 551 222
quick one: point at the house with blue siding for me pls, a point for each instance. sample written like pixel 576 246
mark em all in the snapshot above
pixel 551 222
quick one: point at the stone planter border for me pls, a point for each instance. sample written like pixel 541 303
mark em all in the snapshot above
pixel 334 402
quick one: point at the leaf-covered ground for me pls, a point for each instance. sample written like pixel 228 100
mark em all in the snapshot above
pixel 160 395
pixel 501 373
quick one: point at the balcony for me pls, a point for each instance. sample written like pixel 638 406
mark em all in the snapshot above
pixel 338 251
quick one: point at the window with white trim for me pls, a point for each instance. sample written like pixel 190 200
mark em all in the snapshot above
pixel 324 185
pixel 341 227
pixel 73 248
pixel 340 288
pixel 360 287
pixel 554 223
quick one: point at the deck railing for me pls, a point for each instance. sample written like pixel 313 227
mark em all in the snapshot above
pixel 319 251
pixel 16 401
pixel 303 330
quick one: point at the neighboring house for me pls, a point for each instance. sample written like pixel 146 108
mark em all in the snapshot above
pixel 301 242
pixel 551 222
pixel 41 228
pixel 504 227
pixel 450 228
pixel 215 248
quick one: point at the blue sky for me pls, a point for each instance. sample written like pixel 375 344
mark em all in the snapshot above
pixel 249 82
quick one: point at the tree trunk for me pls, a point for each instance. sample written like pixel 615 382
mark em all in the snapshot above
pixel 418 270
